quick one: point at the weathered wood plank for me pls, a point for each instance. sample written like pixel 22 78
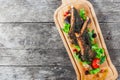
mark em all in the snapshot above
pixel 37 73
pixel 30 35
pixel 42 10
pixel 111 34
pixel 45 35
pixel 27 10
pixel 44 57
pixel 118 69
pixel 34 57
pixel 115 57
pixel 106 7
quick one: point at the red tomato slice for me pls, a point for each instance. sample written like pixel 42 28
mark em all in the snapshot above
pixel 96 63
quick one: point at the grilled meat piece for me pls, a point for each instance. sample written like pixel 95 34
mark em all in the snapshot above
pixel 79 36
pixel 84 43
pixel 76 24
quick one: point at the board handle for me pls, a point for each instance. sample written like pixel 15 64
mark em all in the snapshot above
pixel 68 1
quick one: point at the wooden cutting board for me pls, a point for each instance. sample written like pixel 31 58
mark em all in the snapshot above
pixel 111 72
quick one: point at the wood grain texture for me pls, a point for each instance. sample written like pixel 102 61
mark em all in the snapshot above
pixel 37 73
pixel 45 35
pixel 34 57
pixel 42 10
pixel 30 50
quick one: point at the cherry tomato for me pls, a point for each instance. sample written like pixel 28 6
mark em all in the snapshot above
pixel 96 63
pixel 66 13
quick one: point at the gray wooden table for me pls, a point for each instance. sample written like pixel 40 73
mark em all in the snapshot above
pixel 30 46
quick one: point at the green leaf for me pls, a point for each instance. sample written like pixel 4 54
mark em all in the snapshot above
pixel 94 71
pixel 86 63
pixel 77 47
pixel 66 28
pixel 99 52
pixel 82 14
pixel 77 57
pixel 90 33
pixel 94 46
pixel 102 60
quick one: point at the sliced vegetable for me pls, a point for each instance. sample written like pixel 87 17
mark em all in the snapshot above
pixel 94 71
pixel 96 63
pixel 66 28
pixel 82 14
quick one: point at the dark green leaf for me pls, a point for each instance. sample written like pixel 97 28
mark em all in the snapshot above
pixel 102 60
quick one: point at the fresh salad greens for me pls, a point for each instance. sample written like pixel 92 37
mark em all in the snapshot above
pixel 99 51
pixel 82 14
pixel 66 28
pixel 77 56
pixel 77 47
pixel 94 71
pixel 102 60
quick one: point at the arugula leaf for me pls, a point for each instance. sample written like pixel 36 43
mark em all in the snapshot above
pixel 82 14
pixel 94 71
pixel 66 28
pixel 102 60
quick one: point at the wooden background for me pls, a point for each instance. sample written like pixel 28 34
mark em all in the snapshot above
pixel 30 46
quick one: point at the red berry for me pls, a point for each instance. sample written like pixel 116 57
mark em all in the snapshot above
pixel 96 63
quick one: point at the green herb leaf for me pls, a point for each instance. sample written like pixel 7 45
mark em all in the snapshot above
pixel 94 71
pixel 99 52
pixel 102 60
pixel 90 33
pixel 77 57
pixel 82 14
pixel 94 46
pixel 86 63
pixel 77 47
pixel 66 28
